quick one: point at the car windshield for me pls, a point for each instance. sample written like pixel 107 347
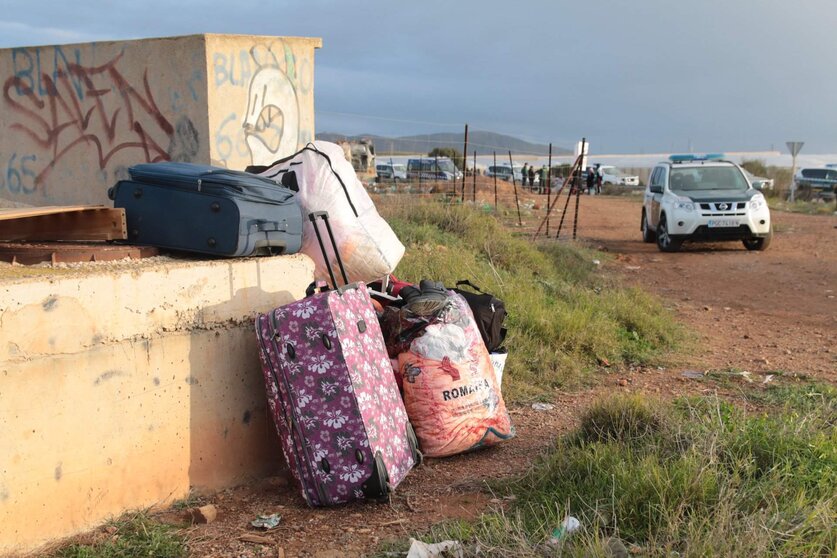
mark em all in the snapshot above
pixel 824 174
pixel 707 178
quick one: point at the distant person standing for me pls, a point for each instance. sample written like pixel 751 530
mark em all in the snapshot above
pixel 542 175
pixel 532 176
pixel 598 179
pixel 524 174
pixel 591 179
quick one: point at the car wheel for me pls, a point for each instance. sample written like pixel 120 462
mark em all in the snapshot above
pixel 759 244
pixel 664 240
pixel 647 234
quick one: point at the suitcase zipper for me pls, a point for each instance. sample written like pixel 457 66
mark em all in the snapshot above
pixel 294 422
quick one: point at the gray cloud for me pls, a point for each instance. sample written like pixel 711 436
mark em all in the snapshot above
pixel 641 75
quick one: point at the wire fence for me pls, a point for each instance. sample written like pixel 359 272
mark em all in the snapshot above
pixel 522 208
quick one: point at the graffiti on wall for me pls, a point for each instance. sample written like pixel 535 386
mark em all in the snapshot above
pixel 273 123
pixel 67 109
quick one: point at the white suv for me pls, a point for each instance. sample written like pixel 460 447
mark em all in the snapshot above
pixel 703 198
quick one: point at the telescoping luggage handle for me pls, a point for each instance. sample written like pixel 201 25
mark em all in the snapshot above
pixel 324 216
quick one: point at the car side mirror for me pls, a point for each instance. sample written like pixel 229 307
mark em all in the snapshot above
pixel 656 189
pixel 759 184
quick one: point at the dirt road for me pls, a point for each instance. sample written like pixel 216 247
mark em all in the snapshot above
pixel 757 311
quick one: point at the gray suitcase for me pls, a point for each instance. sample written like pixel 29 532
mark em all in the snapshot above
pixel 209 210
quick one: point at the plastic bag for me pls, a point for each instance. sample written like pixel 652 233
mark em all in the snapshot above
pixel 327 182
pixel 450 388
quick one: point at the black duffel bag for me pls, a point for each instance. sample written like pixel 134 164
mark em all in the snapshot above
pixel 489 312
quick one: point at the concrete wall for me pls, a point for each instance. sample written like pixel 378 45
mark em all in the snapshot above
pixel 124 386
pixel 261 97
pixel 73 118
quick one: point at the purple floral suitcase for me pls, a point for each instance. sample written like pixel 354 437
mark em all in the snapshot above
pixel 331 390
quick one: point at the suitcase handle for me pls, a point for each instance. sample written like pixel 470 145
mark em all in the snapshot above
pixel 324 216
pixel 267 226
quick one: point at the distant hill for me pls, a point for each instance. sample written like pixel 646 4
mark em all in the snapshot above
pixel 485 143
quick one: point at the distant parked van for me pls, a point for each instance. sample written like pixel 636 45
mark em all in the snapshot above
pixel 391 171
pixel 441 168
pixel 504 172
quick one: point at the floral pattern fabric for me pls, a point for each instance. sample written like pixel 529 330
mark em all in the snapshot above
pixel 332 394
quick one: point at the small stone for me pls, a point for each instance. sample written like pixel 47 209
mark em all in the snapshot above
pixel 203 514
pixel 788 352
pixel 727 308
pixel 364 531
pixel 762 360
pixel 707 308
pixel 255 539
pixel 623 382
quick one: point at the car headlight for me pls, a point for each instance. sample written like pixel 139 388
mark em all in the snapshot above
pixel 757 202
pixel 685 205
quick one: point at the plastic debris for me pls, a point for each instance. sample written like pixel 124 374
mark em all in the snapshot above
pixel 420 549
pixel 692 374
pixel 767 379
pixel 266 521
pixel 597 262
pixel 569 526
pixel 543 406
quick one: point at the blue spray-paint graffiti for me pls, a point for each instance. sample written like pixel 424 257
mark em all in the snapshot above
pixel 16 173
pixel 225 71
pixel 29 72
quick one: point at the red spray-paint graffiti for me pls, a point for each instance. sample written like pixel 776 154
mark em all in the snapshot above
pixel 105 112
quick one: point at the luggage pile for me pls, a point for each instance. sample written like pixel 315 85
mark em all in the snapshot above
pixel 361 381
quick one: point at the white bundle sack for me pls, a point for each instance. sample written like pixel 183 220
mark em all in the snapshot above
pixel 327 182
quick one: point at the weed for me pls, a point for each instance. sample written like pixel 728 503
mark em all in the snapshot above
pixel 699 477
pixel 626 420
pixel 131 536
pixel 190 501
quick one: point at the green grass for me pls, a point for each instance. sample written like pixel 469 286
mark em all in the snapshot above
pixel 564 317
pixel 699 477
pixel 133 536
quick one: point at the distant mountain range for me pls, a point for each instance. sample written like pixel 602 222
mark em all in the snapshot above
pixel 485 143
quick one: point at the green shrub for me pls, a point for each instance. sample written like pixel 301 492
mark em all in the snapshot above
pixel 699 477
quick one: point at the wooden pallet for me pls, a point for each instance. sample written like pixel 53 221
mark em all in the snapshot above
pixel 74 223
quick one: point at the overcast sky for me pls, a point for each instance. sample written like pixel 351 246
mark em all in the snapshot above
pixel 631 75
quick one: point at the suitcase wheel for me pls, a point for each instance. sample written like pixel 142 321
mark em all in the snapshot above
pixel 377 487
pixel 418 457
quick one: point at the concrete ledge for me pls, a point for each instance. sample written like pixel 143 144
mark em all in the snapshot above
pixel 125 388
pixel 94 305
